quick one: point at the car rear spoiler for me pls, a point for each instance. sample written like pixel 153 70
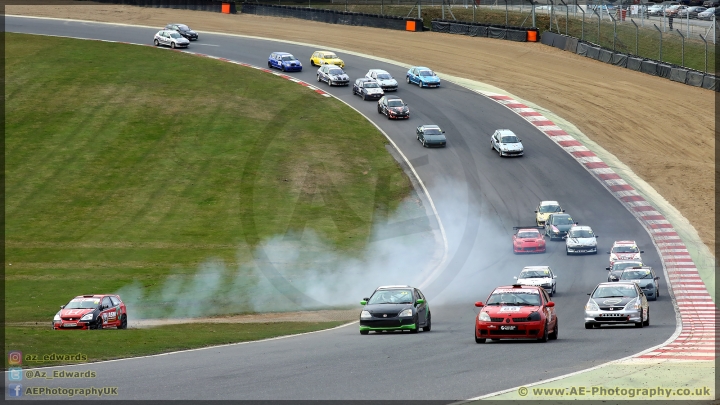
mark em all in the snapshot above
pixel 515 228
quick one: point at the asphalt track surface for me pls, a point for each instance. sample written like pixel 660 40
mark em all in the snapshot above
pixel 480 197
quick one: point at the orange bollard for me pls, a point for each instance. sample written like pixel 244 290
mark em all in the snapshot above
pixel 410 26
pixel 532 36
pixel 226 8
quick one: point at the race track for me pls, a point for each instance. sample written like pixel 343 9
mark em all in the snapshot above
pixel 479 197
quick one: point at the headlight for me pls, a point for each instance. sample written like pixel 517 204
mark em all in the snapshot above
pixel 632 305
pixel 591 306
pixel 365 315
pixel 484 317
pixel 406 312
pixel 87 317
pixel 57 317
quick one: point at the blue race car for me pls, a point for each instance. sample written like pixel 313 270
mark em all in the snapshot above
pixel 284 61
pixel 422 76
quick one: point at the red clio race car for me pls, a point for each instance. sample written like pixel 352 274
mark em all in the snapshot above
pixel 92 312
pixel 516 312
pixel 528 239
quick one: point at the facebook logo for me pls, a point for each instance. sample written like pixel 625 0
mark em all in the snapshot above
pixel 15 390
pixel 15 374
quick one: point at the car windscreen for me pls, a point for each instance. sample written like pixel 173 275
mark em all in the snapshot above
pixel 562 220
pixel 514 297
pixel 615 291
pixel 625 249
pixel 549 208
pixel 528 234
pixel 183 27
pixel 335 71
pixel 426 73
pixel 636 274
pixel 399 296
pixel 175 35
pixel 509 139
pixel 330 56
pixel 371 85
pixel 580 233
pixel 384 76
pixel 432 131
pixel 625 265
pixel 534 274
pixel 395 103
pixel 288 58
pixel 83 303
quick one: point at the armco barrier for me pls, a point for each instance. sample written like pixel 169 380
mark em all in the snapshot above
pixel 198 5
pixel 477 31
pixel 497 33
pixel 694 78
pixel 710 82
pixel 678 75
pixel 664 70
pixel 516 35
pixel 634 63
pixel 649 67
pixel 332 16
pixel 638 64
pixel 593 52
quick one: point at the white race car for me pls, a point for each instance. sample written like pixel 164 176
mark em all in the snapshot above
pixel 384 79
pixel 540 276
pixel 625 250
pixel 580 239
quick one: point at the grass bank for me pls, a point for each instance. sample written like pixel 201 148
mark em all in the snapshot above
pixel 127 165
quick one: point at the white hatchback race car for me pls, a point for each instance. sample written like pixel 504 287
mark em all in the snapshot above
pixel 171 38
pixel 384 79
pixel 580 239
pixel 540 276
pixel 625 250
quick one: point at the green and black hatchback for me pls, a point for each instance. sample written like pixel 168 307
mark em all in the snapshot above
pixel 395 307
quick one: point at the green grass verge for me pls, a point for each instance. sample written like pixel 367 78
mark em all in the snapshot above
pixel 648 39
pixel 131 165
pixel 38 342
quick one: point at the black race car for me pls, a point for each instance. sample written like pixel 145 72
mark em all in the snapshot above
pixel 558 224
pixel 368 89
pixel 183 30
pixel 395 307
pixel 393 107
pixel 430 135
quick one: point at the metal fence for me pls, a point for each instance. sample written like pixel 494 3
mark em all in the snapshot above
pixel 622 27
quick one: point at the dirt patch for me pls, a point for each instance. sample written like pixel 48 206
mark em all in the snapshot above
pixel 664 131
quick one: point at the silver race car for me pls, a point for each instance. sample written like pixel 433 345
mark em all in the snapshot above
pixel 621 302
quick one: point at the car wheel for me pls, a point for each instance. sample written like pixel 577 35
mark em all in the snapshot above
pixel 499 152
pixel 415 330
pixel 544 337
pixel 363 96
pixel 172 45
pixel 379 110
pixel 407 79
pixel 553 290
pixel 657 293
pixel 282 67
pixel 318 78
pixel 588 326
pixel 312 63
pixel 364 332
pixel 157 43
pixel 567 252
pixel 647 322
pixel 269 65
pixel 99 324
pixel 123 322
pixel 424 145
pixel 554 334
pixel 492 147
pixel 639 324
pixel 417 137
pixel 330 82
pixel 428 327
pixel 477 339
pixel 420 84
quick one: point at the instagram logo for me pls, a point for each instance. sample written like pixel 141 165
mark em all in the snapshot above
pixel 15 358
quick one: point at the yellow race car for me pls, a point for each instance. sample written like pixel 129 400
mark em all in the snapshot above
pixel 545 209
pixel 320 58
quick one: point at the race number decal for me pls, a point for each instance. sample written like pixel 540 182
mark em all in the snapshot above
pixel 509 309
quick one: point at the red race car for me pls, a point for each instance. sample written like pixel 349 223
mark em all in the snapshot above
pixel 516 312
pixel 92 312
pixel 528 239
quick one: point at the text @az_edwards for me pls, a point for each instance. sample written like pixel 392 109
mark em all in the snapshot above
pixel 657 392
